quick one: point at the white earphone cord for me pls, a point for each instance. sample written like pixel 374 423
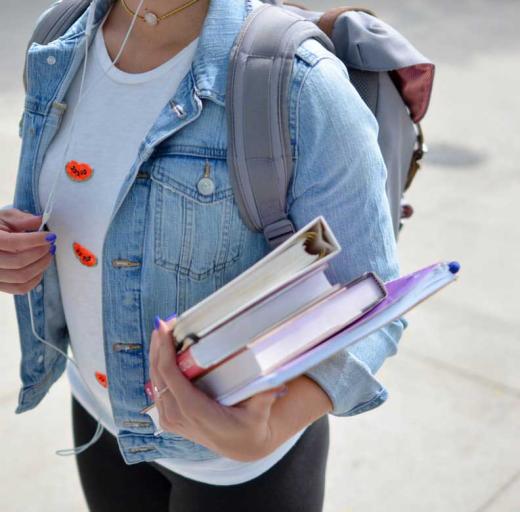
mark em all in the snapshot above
pixel 50 203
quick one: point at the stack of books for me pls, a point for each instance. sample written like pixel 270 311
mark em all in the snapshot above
pixel 282 316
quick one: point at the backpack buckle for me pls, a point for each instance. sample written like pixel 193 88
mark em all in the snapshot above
pixel 278 232
pixel 422 148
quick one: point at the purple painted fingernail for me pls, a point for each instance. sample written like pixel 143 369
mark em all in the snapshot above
pixel 171 317
pixel 157 322
pixel 51 237
pixel 52 249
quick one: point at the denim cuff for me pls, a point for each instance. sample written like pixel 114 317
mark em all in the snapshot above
pixel 349 383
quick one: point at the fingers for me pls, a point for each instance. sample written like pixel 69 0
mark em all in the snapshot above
pixel 25 273
pixel 167 405
pixel 18 242
pixel 20 221
pixel 12 261
pixel 167 361
pixel 156 378
pixel 170 321
pixel 158 384
pixel 24 256
pixel 21 289
pixel 190 399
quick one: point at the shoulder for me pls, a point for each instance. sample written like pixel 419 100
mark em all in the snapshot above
pixel 58 21
pixel 311 51
pixel 332 127
pixel 322 78
pixel 313 59
pixel 323 96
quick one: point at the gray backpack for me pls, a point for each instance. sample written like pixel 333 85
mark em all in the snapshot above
pixel 391 76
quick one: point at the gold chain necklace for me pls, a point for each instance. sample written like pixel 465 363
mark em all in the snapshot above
pixel 153 19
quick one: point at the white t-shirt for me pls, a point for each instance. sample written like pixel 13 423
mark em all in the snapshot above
pixel 82 211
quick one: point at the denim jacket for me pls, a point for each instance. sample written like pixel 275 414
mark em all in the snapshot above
pixel 183 243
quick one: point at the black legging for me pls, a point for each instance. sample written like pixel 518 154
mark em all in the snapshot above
pixel 294 484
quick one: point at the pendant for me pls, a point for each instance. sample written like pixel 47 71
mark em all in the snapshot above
pixel 151 18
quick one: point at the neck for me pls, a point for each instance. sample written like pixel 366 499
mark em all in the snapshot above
pixel 176 31
pixel 149 46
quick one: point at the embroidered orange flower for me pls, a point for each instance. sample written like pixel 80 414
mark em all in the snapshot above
pixel 79 171
pixel 85 256
pixel 102 379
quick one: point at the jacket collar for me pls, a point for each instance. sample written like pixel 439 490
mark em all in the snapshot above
pixel 220 28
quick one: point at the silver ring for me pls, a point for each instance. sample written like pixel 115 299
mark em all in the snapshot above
pixel 158 392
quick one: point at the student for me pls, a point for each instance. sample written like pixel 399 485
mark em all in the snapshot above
pixel 134 233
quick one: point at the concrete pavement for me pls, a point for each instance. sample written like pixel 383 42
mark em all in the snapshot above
pixel 448 439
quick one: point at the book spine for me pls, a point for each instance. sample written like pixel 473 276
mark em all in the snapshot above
pixel 188 365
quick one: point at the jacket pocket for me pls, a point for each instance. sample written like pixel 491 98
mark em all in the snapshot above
pixel 197 228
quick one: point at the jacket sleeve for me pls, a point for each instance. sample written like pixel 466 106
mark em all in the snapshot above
pixel 340 174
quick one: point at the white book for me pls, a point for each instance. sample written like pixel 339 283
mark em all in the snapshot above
pixel 241 330
pixel 304 251
pixel 294 335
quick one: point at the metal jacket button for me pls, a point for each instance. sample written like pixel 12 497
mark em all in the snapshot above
pixel 179 110
pixel 206 186
pixel 120 263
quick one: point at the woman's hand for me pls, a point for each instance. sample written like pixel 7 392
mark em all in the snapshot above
pixel 241 432
pixel 23 256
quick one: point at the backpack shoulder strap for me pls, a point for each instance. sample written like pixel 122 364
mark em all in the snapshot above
pixel 259 148
pixel 55 21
